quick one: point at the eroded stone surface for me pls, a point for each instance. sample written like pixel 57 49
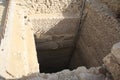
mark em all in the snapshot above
pixel 17 49
pixel 114 5
pixel 52 6
pixel 99 32
pixel 112 61
pixel 80 73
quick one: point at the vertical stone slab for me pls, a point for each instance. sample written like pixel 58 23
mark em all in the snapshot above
pixel 18 54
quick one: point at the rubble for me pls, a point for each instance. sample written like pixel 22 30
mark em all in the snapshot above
pixel 112 61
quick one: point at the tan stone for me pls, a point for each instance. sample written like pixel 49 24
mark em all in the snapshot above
pixel 17 50
pixel 54 24
pixel 112 61
pixel 99 32
pixel 53 6
pixel 114 5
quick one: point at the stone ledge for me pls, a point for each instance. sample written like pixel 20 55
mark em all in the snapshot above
pixel 17 50
pixel 54 41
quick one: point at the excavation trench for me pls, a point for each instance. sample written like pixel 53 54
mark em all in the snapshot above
pixel 55 37
pixel 55 46
pixel 57 52
pixel 59 44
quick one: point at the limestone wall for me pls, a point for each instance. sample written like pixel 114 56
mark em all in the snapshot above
pixel 17 49
pixel 114 5
pixel 52 6
pixel 99 32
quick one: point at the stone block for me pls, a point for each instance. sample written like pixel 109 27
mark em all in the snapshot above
pixel 112 61
pixel 17 50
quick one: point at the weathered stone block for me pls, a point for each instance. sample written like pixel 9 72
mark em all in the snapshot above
pixel 112 61
pixel 17 49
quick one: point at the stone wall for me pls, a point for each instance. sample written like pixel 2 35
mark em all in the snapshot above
pixel 114 5
pixel 99 32
pixel 55 37
pixel 17 49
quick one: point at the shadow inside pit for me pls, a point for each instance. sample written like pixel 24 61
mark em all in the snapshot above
pixel 57 59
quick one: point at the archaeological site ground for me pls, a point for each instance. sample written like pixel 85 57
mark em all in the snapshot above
pixel 59 39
